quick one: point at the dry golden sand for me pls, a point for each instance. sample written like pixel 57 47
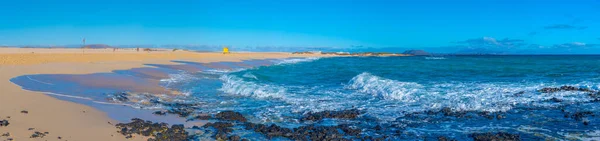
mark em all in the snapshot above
pixel 72 121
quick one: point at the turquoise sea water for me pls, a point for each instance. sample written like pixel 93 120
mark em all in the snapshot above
pixel 394 92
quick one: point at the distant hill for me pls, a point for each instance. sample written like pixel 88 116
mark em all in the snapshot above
pixel 478 51
pixel 97 46
pixel 417 52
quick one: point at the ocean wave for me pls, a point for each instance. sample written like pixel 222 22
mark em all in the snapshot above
pixel 384 88
pixel 435 58
pixel 296 60
pixel 461 96
pixel 178 78
pixel 237 86
pixel 250 75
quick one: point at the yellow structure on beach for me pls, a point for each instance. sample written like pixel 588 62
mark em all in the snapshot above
pixel 225 50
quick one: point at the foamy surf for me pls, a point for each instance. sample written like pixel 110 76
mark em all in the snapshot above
pixel 237 86
pixel 384 88
pixel 296 60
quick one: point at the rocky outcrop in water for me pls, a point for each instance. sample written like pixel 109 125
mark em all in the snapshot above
pixel 223 129
pixel 442 138
pixel 159 131
pixel 563 88
pixel 37 134
pixel 579 116
pixel 449 113
pixel 500 136
pixel 309 132
pixel 230 119
pixel 344 114
pixel 230 116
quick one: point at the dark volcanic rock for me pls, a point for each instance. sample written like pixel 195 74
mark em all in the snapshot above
pixel 230 116
pixel 500 136
pixel 160 131
pixel 37 134
pixel 345 114
pixel 578 116
pixel 162 113
pixel 554 99
pixel 442 138
pixel 120 97
pixel 235 138
pixel 201 117
pixel 417 52
pixel 4 123
pixel 563 88
pixel 305 133
pixel 223 128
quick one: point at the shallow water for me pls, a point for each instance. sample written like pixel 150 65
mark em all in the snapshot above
pixel 395 92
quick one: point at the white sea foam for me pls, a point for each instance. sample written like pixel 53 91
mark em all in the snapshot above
pixel 237 86
pixel 177 78
pixel 461 96
pixel 297 60
pixel 250 75
pixel 384 88
pixel 38 81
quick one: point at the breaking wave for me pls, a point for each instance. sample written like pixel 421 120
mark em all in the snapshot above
pixel 297 60
pixel 237 86
pixel 462 96
pixel 384 88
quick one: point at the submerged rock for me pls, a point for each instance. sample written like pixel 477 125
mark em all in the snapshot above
pixel 345 114
pixel 160 131
pixel 578 116
pixel 120 97
pixel 162 113
pixel 500 136
pixel 442 138
pixel 223 129
pixel 230 116
pixel 309 132
pixel 563 88
pixel 4 123
pixel 201 117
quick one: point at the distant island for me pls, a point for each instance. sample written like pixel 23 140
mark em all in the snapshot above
pixel 417 53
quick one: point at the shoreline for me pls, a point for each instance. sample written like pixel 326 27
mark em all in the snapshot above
pixel 66 119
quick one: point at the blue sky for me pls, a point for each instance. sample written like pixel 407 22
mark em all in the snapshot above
pixel 514 26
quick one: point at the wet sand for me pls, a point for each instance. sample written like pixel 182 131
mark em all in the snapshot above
pixel 69 120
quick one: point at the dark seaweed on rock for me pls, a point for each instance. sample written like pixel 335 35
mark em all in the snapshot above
pixel 230 116
pixel 160 131
pixel 344 114
pixel 500 136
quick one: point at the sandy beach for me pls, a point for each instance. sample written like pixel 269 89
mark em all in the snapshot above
pixel 68 120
